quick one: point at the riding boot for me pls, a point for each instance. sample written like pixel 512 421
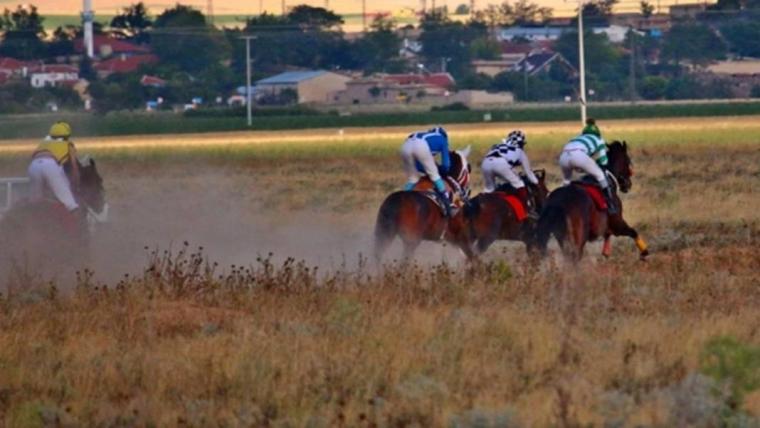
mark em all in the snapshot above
pixel 440 189
pixel 446 200
pixel 610 199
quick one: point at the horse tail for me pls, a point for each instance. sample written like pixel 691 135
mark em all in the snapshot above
pixel 551 222
pixel 386 226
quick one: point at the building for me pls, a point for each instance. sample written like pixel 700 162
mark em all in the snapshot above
pixel 381 90
pixel 687 11
pixel 106 47
pixel 742 75
pixel 123 64
pixel 152 81
pixel 657 21
pixel 544 61
pixel 531 33
pixel 312 86
pixel 440 80
pixel 53 75
pixel 12 68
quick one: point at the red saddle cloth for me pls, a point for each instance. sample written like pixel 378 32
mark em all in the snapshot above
pixel 517 206
pixel 596 195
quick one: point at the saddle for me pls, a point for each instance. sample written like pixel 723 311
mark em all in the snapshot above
pixel 426 188
pixel 521 213
pixel 594 192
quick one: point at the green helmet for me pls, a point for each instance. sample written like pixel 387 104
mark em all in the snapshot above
pixel 591 128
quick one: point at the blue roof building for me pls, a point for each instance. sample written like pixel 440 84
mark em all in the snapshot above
pixel 312 86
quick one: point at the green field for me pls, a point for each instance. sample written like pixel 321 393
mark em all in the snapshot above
pixel 31 126
pixel 333 340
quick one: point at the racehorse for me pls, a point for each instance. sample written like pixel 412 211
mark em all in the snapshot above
pixel 501 215
pixel 417 215
pixel 45 231
pixel 575 214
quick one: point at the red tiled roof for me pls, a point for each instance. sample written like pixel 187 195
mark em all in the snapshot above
pixel 442 80
pixel 525 48
pixel 53 68
pixel 152 81
pixel 124 65
pixel 14 64
pixel 117 46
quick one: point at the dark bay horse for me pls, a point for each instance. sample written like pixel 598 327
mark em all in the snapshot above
pixel 45 231
pixel 490 217
pixel 414 216
pixel 572 217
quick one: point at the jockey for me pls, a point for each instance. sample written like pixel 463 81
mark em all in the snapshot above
pixel 418 154
pixel 50 162
pixel 502 160
pixel 588 152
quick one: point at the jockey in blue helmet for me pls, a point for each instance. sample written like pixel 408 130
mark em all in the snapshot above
pixel 418 153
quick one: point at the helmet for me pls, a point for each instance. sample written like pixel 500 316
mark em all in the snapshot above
pixel 60 129
pixel 439 130
pixel 517 137
pixel 591 128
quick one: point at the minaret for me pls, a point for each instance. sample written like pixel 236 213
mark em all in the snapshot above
pixel 87 17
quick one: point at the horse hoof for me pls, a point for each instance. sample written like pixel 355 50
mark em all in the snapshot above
pixel 643 256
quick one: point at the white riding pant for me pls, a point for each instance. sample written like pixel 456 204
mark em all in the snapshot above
pixel 415 149
pixel 496 167
pixel 573 159
pixel 45 172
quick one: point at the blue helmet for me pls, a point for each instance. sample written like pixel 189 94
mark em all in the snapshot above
pixel 439 130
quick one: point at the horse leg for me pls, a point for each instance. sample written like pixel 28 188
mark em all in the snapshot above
pixel 619 227
pixel 575 240
pixel 410 246
pixel 607 246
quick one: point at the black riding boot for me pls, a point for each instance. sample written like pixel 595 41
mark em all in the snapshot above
pixel 610 198
pixel 446 200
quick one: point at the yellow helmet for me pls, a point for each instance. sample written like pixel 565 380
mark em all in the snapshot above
pixel 60 129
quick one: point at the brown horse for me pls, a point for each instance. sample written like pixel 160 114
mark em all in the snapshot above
pixel 46 231
pixel 571 215
pixel 490 217
pixel 415 216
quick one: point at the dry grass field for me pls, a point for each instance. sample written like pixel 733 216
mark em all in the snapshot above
pixel 315 335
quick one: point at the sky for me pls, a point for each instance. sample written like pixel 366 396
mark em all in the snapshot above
pixel 243 7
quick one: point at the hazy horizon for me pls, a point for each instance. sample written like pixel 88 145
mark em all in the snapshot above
pixel 250 7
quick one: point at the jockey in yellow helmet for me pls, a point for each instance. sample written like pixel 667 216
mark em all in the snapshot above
pixel 54 167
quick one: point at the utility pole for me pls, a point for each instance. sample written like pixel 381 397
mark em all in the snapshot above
pixel 261 7
pixel 210 11
pixel 88 17
pixel 472 8
pixel 364 15
pixel 581 62
pixel 249 114
pixel 284 11
pixel 525 77
pixel 632 35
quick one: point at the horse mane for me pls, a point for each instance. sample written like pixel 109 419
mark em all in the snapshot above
pixel 456 164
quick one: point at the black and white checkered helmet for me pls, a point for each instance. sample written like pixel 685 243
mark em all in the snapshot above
pixel 517 138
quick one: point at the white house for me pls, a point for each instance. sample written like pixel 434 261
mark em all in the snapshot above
pixel 53 75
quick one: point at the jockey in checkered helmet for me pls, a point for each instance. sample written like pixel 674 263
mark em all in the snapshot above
pixel 517 138
pixel 501 163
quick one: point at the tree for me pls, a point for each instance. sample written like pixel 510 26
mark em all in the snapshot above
pixel 692 42
pixel 63 41
pixel 23 33
pixel 182 36
pixel 485 48
pixel 742 38
pixel 133 22
pixel 378 50
pixel 653 87
pixel 523 12
pixel 647 9
pixel 444 40
pixel 597 13
pixel 314 17
pixel 462 9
